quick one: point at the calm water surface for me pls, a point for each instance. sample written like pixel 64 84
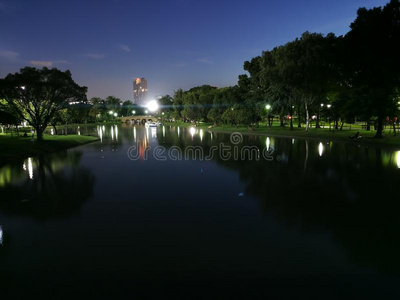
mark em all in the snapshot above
pixel 319 220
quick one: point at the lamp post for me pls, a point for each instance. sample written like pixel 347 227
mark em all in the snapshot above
pixel 268 108
pixel 329 116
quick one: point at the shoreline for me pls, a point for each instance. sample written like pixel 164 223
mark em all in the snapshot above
pixel 389 142
pixel 17 147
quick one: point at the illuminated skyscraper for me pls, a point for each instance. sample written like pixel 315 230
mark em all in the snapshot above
pixel 139 90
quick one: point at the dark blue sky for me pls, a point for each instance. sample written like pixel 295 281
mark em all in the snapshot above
pixel 173 43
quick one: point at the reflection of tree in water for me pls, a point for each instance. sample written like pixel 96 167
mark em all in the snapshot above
pixel 354 200
pixel 58 188
pixel 349 191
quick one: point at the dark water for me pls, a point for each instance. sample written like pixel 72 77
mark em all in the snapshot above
pixel 309 220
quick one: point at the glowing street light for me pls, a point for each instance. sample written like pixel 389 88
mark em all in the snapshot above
pixel 146 111
pixel 111 112
pixel 152 106
pixel 329 118
pixel 268 107
pixel 134 112
pixel 115 114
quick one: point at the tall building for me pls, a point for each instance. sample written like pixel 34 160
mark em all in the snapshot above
pixel 139 90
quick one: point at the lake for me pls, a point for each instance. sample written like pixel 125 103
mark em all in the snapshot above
pixel 175 212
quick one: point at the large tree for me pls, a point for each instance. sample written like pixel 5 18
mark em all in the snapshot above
pixel 305 68
pixel 373 59
pixel 36 95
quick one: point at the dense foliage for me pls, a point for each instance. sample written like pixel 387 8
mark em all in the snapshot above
pixel 356 76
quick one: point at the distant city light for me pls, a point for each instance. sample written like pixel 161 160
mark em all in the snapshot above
pixel 152 106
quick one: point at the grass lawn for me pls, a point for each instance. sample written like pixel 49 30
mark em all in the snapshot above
pixel 322 133
pixel 12 147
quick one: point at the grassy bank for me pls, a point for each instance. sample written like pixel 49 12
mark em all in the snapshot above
pixel 21 147
pixel 321 134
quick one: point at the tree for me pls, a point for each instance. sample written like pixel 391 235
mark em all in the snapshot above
pixel 224 99
pixel 7 117
pixel 373 63
pixel 193 110
pixel 35 95
pixel 178 103
pixel 305 68
pixel 113 104
pixel 166 106
pixel 197 102
pixel 127 108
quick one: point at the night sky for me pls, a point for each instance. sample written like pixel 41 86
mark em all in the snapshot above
pixel 174 44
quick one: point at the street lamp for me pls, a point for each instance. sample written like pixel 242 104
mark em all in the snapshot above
pixel 115 114
pixel 268 107
pixel 134 112
pixel 329 116
pixel 146 112
pixel 152 106
pixel 111 112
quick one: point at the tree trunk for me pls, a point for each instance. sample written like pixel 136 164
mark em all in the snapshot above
pixel 55 129
pixel 299 118
pixel 291 118
pixel 379 128
pixel 317 120
pixel 282 122
pixel 394 128
pixel 307 118
pixel 368 125
pixel 39 134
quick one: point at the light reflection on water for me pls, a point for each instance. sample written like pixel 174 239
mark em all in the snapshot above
pixel 320 208
pixel 320 149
